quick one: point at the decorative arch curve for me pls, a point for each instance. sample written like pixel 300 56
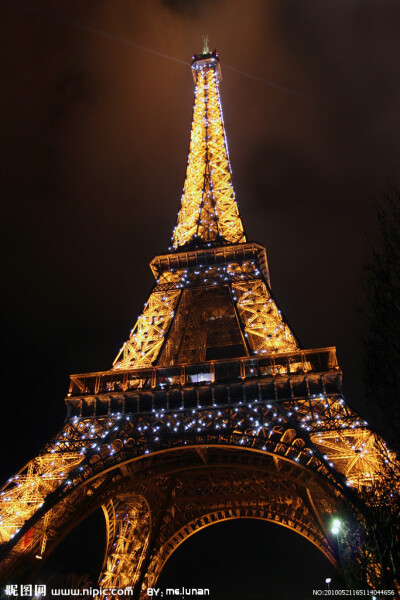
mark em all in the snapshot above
pixel 220 516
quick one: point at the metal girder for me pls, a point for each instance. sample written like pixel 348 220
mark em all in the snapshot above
pixel 200 497
pixel 355 452
pixel 129 527
pixel 26 492
pixel 296 430
pixel 147 336
pixel 263 323
pixel 208 211
pixel 157 335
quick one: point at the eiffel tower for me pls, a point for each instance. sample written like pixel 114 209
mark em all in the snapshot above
pixel 211 411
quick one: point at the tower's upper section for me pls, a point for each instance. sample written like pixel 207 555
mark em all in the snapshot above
pixel 208 213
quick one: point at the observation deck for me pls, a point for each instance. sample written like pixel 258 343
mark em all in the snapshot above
pixel 286 376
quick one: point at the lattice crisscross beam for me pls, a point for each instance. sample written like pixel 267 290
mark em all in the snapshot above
pixel 24 493
pixel 147 337
pixel 128 545
pixel 208 210
pixel 355 452
pixel 314 433
pixel 265 328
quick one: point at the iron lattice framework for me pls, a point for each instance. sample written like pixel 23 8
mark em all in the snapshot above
pixel 211 410
pixel 208 212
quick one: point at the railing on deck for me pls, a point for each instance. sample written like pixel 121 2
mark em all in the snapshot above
pixel 215 371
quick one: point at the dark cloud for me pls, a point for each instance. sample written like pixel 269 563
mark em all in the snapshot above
pixel 191 8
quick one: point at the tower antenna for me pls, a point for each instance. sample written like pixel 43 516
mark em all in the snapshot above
pixel 206 49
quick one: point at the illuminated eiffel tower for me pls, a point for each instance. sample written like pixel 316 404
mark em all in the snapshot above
pixel 212 409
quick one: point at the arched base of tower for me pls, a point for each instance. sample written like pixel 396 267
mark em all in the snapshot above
pixel 167 498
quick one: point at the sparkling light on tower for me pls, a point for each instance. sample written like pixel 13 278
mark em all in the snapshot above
pixel 211 411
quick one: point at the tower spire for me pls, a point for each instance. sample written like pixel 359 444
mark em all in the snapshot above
pixel 206 49
pixel 208 213
pixel 211 297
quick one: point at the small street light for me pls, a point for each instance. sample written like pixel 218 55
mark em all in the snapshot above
pixel 328 581
pixel 335 529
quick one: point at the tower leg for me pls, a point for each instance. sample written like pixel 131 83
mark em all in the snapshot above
pixel 159 515
pixel 133 525
pixel 128 525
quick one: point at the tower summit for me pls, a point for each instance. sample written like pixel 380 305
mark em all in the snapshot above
pixel 208 213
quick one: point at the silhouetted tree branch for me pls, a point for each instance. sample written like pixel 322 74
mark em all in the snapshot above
pixel 381 322
pixel 370 540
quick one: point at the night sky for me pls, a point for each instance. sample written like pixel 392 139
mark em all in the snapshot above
pixel 96 110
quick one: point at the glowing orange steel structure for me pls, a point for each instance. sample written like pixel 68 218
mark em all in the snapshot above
pixel 211 411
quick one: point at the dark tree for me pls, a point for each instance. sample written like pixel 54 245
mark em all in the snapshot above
pixel 370 536
pixel 381 323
